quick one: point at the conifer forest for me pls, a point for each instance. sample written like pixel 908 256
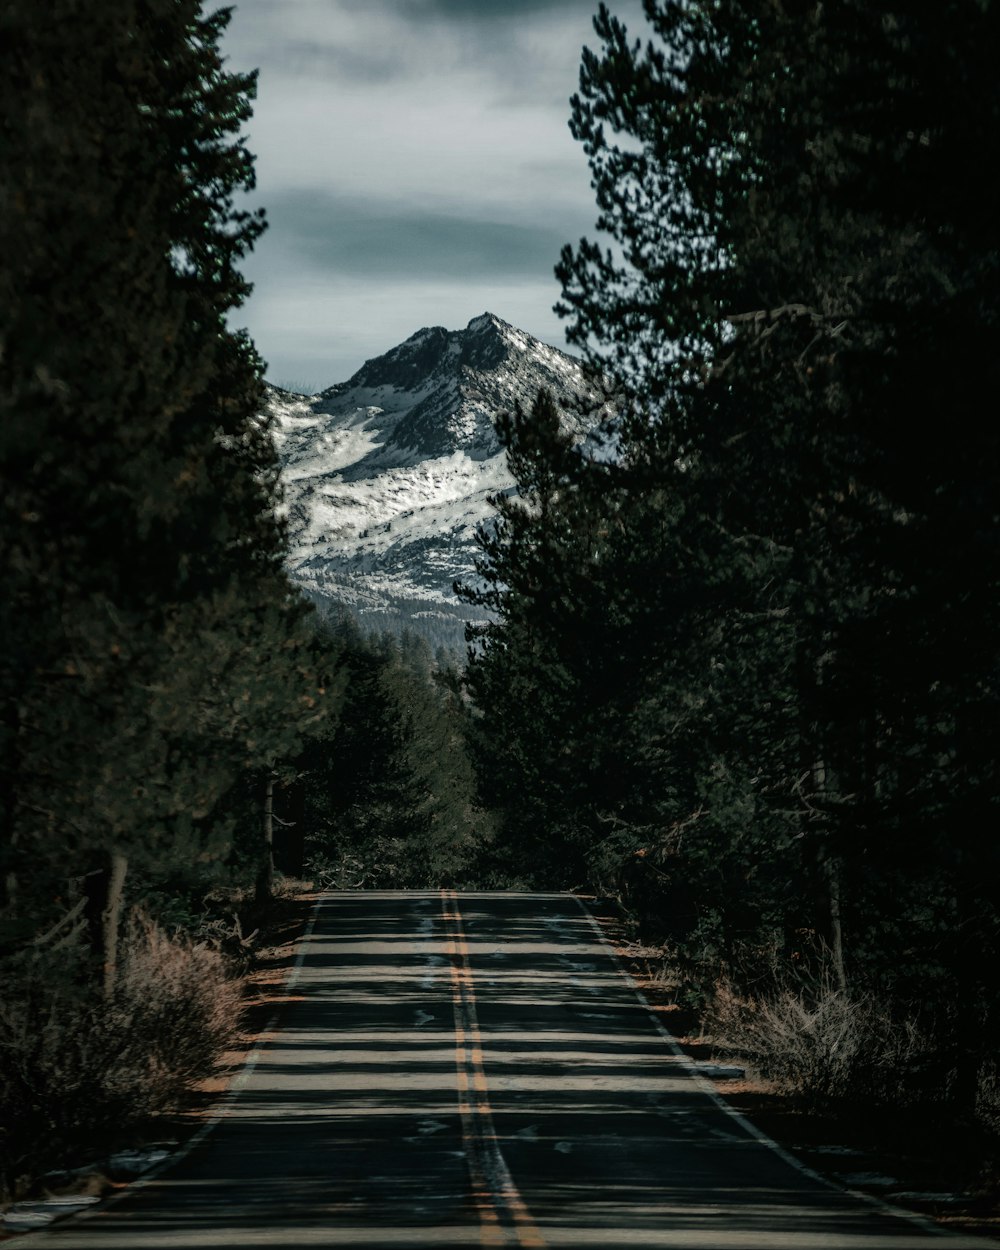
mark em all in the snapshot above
pixel 732 661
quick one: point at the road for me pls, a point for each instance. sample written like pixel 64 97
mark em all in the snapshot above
pixel 477 1070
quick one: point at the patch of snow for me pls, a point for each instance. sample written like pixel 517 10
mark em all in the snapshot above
pixel 134 1162
pixel 931 1199
pixel 719 1071
pixel 24 1216
pixel 871 1180
pixel 385 485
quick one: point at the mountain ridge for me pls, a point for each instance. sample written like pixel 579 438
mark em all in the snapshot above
pixel 387 476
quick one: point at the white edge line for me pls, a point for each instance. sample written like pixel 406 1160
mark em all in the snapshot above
pixel 706 1087
pixel 236 1086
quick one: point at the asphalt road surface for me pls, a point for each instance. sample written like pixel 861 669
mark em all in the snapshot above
pixel 476 1070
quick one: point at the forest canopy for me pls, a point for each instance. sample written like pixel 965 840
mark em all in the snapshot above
pixel 762 642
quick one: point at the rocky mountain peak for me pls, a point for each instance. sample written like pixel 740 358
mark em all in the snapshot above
pixel 404 367
pixel 486 342
pixel 386 476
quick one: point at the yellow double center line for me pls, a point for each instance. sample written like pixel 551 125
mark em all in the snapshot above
pixel 504 1220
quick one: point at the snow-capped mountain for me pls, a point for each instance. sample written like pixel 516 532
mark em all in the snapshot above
pixel 386 476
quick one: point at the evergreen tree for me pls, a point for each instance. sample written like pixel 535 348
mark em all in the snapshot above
pixel 390 798
pixel 520 665
pixel 152 647
pixel 803 285
pixel 603 740
pixel 807 286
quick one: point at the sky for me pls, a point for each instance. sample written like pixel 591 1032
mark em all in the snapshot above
pixel 416 164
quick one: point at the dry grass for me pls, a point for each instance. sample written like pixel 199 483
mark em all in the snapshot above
pixel 919 1137
pixel 822 1044
pixel 80 1072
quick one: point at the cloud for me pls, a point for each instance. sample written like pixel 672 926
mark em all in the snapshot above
pixel 512 49
pixel 438 148
pixel 314 332
pixel 417 167
pixel 476 11
pixel 377 239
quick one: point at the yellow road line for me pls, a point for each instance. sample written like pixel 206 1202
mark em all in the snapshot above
pixel 504 1220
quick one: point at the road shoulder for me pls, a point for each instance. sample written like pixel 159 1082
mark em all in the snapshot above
pixel 910 1159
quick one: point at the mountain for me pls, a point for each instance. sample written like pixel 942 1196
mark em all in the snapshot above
pixel 386 476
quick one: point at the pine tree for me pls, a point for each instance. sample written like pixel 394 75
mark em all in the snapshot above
pixel 551 672
pixel 152 647
pixel 391 796
pixel 795 543
pixel 804 305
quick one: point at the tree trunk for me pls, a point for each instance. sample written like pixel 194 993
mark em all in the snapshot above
pixel 832 868
pixel 105 890
pixel 294 835
pixel 265 875
pixel 816 736
pixel 111 921
pixel 8 830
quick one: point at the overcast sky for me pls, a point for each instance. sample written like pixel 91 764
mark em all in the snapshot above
pixel 416 163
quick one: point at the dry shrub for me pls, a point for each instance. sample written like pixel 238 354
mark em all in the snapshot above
pixel 78 1073
pixel 290 887
pixel 988 1095
pixel 177 1002
pixel 822 1045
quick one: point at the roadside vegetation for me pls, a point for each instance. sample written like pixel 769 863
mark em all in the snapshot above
pixel 385 796
pixel 82 1074
pixel 740 668
pixel 743 672
pixel 155 662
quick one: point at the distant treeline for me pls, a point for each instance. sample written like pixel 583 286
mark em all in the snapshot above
pixel 441 625
pixel 385 796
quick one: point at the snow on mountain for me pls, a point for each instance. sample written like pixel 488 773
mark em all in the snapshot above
pixel 386 476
